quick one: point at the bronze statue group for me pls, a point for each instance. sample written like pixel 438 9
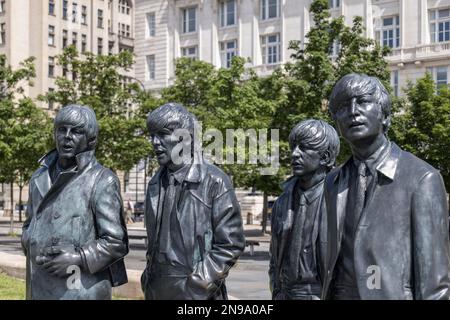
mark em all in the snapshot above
pixel 375 227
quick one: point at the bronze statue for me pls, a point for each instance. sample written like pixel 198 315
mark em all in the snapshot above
pixel 297 217
pixel 193 218
pixel 74 237
pixel 387 209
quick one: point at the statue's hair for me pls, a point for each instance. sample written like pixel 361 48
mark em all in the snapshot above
pixel 356 84
pixel 80 116
pixel 171 116
pixel 316 135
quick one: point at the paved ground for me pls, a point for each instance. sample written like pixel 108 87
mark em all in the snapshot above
pixel 247 280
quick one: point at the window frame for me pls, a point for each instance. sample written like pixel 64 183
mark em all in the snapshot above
pixel 185 20
pixel 266 46
pixel 227 54
pixel 224 13
pixel 434 23
pixel 51 35
pixel 265 10
pixel 151 24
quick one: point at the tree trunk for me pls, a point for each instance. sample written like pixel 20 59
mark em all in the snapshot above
pixel 11 228
pixel 264 213
pixel 20 202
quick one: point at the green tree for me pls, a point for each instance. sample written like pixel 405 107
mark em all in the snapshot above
pixel 423 125
pixel 97 82
pixel 310 77
pixel 24 128
pixel 29 136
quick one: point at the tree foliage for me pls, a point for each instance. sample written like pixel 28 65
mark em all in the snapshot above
pixel 422 126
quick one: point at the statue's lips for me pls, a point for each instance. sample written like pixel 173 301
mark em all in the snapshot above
pixel 356 124
pixel 67 148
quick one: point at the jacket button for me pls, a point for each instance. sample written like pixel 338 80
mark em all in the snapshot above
pixel 56 215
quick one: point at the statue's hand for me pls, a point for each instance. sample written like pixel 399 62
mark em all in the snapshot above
pixel 62 258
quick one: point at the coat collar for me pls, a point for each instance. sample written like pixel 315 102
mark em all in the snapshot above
pixel 194 175
pixel 82 159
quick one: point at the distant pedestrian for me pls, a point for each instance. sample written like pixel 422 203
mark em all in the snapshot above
pixel 130 211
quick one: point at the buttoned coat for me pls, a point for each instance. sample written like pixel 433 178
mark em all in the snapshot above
pixel 81 209
pixel 401 247
pixel 211 229
pixel 281 226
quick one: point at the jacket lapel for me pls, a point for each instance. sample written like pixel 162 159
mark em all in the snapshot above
pixel 153 192
pixel 342 179
pixel 287 217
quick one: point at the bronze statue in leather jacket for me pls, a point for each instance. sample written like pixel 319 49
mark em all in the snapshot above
pixel 193 218
pixel 74 237
pixel 387 209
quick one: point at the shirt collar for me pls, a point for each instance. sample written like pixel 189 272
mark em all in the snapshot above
pixel 181 173
pixel 375 159
pixel 312 193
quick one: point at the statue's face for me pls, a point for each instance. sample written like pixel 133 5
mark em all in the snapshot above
pixel 164 141
pixel 359 118
pixel 304 160
pixel 70 140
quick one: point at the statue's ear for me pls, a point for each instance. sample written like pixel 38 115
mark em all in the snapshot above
pixel 325 158
pixel 92 142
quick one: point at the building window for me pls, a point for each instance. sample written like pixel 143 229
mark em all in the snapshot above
pixel 2 6
pixel 51 7
pixel 189 52
pixel 151 24
pixel 124 7
pixel 124 30
pixel 100 18
pixel 51 67
pixel 389 34
pixel 228 50
pixel 227 12
pixel 189 19
pixel 151 67
pixel 269 9
pixel 2 33
pixel 50 101
pixel 335 48
pixel 270 45
pixel 83 42
pixel 74 39
pixel 439 25
pixel 65 70
pixel 394 82
pixel 99 46
pixel 64 39
pixel 110 48
pixel 74 12
pixel 65 9
pixel 334 3
pixel 84 15
pixel 440 75
pixel 51 35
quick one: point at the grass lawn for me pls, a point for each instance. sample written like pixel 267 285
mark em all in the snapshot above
pixel 11 288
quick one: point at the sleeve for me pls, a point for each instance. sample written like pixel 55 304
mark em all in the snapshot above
pixel 273 278
pixel 112 239
pixel 431 239
pixel 29 215
pixel 228 244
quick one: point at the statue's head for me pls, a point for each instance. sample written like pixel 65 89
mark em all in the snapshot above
pixel 314 145
pixel 169 125
pixel 75 130
pixel 360 105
